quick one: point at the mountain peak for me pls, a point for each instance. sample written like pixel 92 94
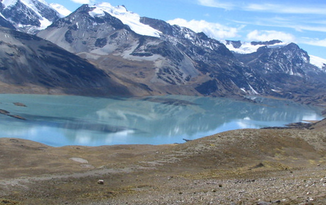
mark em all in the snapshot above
pixel 28 15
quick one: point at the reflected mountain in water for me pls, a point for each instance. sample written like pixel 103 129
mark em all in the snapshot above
pixel 72 120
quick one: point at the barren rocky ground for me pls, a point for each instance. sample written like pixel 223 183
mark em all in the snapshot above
pixel 266 166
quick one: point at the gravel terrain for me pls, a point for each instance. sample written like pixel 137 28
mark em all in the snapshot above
pixel 266 166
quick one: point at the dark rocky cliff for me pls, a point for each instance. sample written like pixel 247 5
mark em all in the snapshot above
pixel 36 64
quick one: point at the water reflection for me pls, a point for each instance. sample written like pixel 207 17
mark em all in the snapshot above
pixel 74 120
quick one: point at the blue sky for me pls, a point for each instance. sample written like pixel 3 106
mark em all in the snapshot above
pixel 302 22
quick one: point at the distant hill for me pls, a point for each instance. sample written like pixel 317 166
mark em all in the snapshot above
pixel 29 64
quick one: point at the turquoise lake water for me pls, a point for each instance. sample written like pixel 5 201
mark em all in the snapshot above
pixel 76 120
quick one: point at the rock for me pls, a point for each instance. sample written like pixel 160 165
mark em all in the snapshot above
pixel 4 112
pixel 17 117
pixel 20 104
pixel 259 165
pixel 100 181
pixel 80 160
pixel 263 203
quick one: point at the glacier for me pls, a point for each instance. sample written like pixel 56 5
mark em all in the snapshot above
pixel 129 18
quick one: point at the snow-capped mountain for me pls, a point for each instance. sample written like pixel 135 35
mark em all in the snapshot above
pixel 239 47
pixel 93 33
pixel 150 56
pixel 290 60
pixel 29 15
pixel 158 58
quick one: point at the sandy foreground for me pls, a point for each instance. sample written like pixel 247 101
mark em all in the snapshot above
pixel 266 166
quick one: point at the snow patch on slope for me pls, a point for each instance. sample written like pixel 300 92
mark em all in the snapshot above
pixel 248 47
pixel 317 61
pixel 245 48
pixel 63 11
pixel 8 3
pixel 129 18
pixel 44 23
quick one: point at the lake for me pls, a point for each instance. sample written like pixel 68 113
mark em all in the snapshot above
pixel 76 120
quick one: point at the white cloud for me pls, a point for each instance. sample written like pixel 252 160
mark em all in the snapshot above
pixel 295 22
pixel 279 8
pixel 83 1
pixel 216 3
pixel 309 28
pixel 270 35
pixel 315 42
pixel 213 30
pixel 266 7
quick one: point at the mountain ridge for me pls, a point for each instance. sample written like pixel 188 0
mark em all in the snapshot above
pixel 177 60
pixel 33 65
pixel 169 59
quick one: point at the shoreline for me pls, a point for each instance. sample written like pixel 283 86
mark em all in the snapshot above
pixel 310 125
pixel 180 102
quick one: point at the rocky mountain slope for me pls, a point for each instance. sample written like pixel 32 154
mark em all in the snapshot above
pixel 5 23
pixel 288 69
pixel 29 64
pixel 179 61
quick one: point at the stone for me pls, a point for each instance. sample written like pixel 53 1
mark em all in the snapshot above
pixel 263 203
pixel 20 104
pixel 80 160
